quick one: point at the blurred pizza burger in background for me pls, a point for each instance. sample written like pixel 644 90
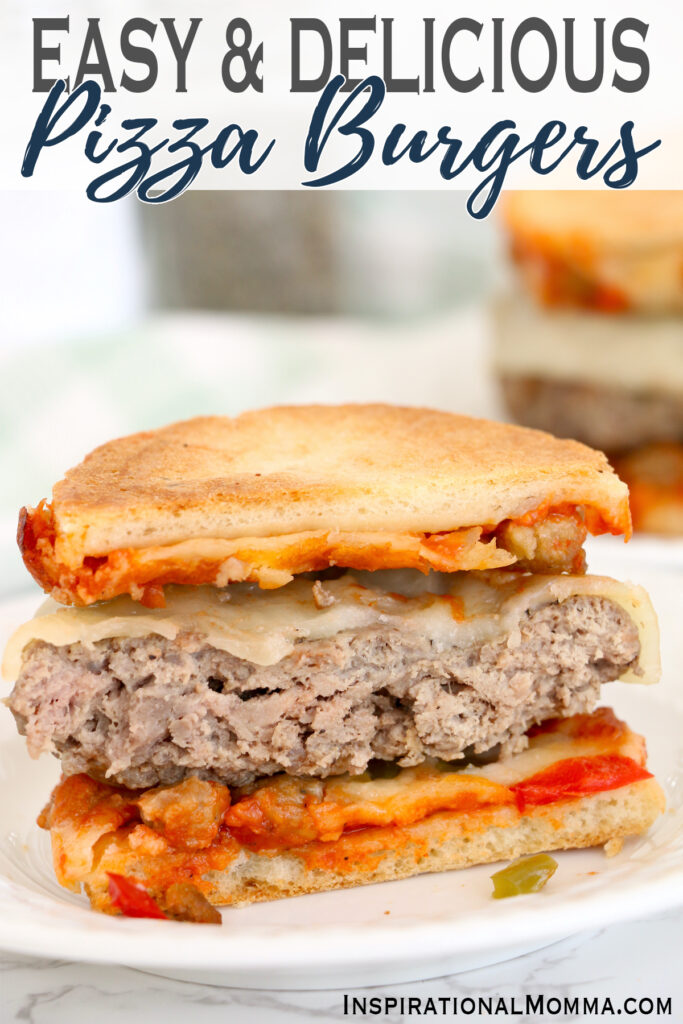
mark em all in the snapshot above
pixel 589 340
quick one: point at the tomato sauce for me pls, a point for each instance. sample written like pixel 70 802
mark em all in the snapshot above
pixel 143 573
pixel 556 282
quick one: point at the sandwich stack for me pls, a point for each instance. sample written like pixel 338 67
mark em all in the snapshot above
pixel 589 343
pixel 318 647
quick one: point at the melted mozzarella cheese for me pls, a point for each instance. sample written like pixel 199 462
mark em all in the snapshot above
pixel 543 751
pixel 263 626
pixel 635 353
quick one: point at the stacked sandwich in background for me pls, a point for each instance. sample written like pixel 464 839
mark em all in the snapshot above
pixel 316 647
pixel 589 343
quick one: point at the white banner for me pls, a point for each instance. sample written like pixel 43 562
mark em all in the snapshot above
pixel 153 98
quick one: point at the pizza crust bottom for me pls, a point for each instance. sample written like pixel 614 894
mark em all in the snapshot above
pixel 443 842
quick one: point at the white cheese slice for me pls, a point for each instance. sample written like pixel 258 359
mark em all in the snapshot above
pixel 638 353
pixel 543 751
pixel 263 626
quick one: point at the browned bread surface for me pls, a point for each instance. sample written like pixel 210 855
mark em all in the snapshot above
pixel 286 470
pixel 445 842
pixel 611 252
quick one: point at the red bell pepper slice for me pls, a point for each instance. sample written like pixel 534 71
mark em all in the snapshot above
pixel 576 777
pixel 131 898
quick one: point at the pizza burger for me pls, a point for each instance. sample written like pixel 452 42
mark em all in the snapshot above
pixel 317 647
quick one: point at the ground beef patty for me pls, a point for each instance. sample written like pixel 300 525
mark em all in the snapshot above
pixel 148 711
pixel 610 418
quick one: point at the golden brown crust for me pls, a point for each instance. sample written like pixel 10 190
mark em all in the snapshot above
pixel 442 842
pixel 607 251
pixel 317 472
pixel 446 842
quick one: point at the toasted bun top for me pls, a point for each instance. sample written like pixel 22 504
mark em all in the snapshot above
pixel 604 221
pixel 285 470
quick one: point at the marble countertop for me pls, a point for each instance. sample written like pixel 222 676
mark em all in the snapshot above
pixel 639 960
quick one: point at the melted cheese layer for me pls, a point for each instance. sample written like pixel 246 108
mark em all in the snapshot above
pixel 456 609
pixel 634 353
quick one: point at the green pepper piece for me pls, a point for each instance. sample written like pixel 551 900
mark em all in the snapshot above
pixel 529 874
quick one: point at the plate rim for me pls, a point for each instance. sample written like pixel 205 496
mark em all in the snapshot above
pixel 336 945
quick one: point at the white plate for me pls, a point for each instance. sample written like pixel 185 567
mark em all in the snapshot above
pixel 398 931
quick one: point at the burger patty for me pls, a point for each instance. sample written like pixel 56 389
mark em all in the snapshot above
pixel 610 418
pixel 143 712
